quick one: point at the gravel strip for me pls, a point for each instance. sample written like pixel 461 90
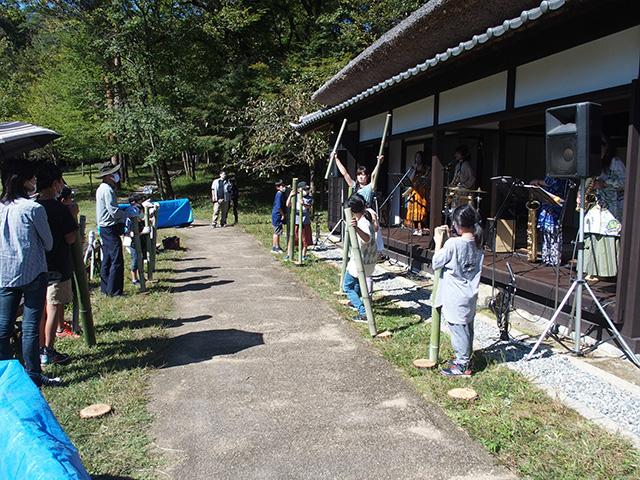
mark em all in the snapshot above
pixel 616 404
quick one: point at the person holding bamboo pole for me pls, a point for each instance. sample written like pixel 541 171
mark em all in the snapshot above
pixel 305 200
pixel 365 184
pixel 363 223
pixel 460 260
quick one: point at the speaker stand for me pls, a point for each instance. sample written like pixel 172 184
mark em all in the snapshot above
pixel 576 288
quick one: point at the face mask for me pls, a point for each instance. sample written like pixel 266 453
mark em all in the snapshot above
pixel 58 193
pixel 116 177
pixel 305 192
pixel 224 177
pixel 34 192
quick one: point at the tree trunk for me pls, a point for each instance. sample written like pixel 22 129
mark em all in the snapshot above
pixel 158 182
pixel 165 179
pixel 185 163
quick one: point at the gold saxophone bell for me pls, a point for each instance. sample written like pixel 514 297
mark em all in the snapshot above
pixel 589 195
pixel 532 242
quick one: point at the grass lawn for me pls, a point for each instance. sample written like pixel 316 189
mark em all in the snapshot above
pixel 525 430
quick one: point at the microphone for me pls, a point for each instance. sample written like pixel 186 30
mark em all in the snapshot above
pixel 448 166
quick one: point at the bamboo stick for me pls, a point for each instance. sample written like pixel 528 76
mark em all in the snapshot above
pixel 82 289
pixel 345 247
pixel 434 349
pixel 292 218
pixel 335 148
pixel 374 178
pixel 300 207
pixel 135 228
pixel 150 246
pixel 362 280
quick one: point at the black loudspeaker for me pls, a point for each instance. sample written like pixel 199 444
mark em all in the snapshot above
pixel 573 140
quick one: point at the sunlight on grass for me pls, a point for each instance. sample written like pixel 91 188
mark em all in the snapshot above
pixel 520 425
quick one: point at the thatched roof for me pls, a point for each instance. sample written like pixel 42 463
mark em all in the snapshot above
pixel 439 30
pixel 436 26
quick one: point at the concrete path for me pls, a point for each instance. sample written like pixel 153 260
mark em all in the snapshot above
pixel 264 381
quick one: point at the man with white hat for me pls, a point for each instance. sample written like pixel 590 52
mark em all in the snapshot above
pixel 108 216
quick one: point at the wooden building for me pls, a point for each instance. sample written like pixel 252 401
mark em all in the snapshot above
pixel 483 73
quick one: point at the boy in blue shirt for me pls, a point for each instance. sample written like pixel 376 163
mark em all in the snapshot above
pixel 278 215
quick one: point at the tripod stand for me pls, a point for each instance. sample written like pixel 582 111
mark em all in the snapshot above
pixel 576 288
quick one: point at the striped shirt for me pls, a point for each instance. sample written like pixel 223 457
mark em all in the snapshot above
pixel 24 238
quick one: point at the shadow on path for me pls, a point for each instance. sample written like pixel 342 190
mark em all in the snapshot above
pixel 210 343
pixel 195 287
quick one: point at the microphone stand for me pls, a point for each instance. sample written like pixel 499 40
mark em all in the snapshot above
pixel 445 210
pixel 496 218
pixel 388 210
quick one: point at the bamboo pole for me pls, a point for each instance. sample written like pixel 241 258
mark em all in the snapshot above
pixel 434 349
pixel 292 218
pixel 135 228
pixel 82 289
pixel 374 179
pixel 150 245
pixel 345 247
pixel 362 279
pixel 335 148
pixel 153 235
pixel 300 207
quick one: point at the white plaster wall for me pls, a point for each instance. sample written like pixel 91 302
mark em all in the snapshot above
pixel 414 116
pixel 487 95
pixel 608 62
pixel 372 127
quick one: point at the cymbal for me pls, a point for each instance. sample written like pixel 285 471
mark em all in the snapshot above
pixel 460 190
pixel 465 190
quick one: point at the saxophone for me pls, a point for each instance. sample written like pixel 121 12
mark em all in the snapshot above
pixel 532 241
pixel 589 195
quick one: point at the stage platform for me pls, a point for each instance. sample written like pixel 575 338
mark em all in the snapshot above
pixel 535 282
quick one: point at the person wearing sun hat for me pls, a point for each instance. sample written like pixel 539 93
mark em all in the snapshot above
pixel 109 217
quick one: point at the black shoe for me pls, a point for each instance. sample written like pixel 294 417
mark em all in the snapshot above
pixel 49 356
pixel 44 381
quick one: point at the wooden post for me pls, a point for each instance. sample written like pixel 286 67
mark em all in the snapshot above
pixel 362 279
pixel 335 148
pixel 82 287
pixel 292 218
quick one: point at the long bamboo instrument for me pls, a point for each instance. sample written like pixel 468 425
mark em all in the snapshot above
pixel 292 218
pixel 374 179
pixel 362 279
pixel 82 287
pixel 335 148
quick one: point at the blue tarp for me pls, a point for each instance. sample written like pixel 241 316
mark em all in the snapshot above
pixel 172 213
pixel 32 444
